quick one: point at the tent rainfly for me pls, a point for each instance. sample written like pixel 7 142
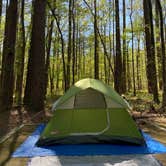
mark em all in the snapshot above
pixel 90 112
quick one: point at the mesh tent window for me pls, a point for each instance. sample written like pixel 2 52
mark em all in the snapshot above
pixel 89 98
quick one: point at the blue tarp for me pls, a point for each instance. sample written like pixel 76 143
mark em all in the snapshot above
pixel 28 148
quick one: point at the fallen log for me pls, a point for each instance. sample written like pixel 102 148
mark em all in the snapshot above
pixel 16 129
pixel 154 125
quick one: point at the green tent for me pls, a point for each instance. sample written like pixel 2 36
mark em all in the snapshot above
pixel 90 112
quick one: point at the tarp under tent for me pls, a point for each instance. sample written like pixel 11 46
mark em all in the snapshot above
pixel 91 112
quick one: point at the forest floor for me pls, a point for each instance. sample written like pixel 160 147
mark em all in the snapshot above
pixel 146 114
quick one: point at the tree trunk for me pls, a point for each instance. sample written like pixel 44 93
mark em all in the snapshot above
pixel 110 43
pixel 57 69
pixel 105 61
pixel 150 49
pixel 163 53
pixel 79 69
pixel 34 90
pixel 48 49
pixel 83 59
pixel 20 57
pixel 124 48
pixel 52 68
pixel 1 4
pixel 118 59
pixel 96 44
pixel 7 74
pixel 113 35
pixel 158 46
pixel 73 46
pixel 132 39
pixel 76 48
pixel 69 51
pixel 129 86
pixel 138 64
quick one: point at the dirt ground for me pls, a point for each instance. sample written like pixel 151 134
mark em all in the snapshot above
pixel 152 123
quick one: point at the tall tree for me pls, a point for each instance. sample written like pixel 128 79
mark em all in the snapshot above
pixel 150 49
pixel 1 4
pixel 124 47
pixel 74 38
pixel 158 46
pixel 118 59
pixel 34 90
pixel 52 68
pixel 110 39
pixel 20 53
pixel 7 74
pixel 138 64
pixel 69 51
pixel 159 7
pixel 129 85
pixel 113 35
pixel 48 49
pixel 96 44
pixel 132 40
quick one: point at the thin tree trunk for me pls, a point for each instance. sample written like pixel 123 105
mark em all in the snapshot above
pixel 96 44
pixel 52 69
pixel 118 59
pixel 69 51
pixel 48 49
pixel 8 56
pixel 110 43
pixel 158 46
pixel 84 60
pixel 58 69
pixel 73 46
pixel 113 40
pixel 132 39
pixel 105 61
pixel 1 4
pixel 79 57
pixel 77 47
pixel 124 47
pixel 20 57
pixel 129 86
pixel 138 64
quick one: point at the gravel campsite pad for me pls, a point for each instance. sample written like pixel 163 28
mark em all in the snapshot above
pixel 126 160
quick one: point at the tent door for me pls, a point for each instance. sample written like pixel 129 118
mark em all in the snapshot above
pixel 98 132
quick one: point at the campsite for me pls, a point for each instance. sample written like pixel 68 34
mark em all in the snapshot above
pixel 82 82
